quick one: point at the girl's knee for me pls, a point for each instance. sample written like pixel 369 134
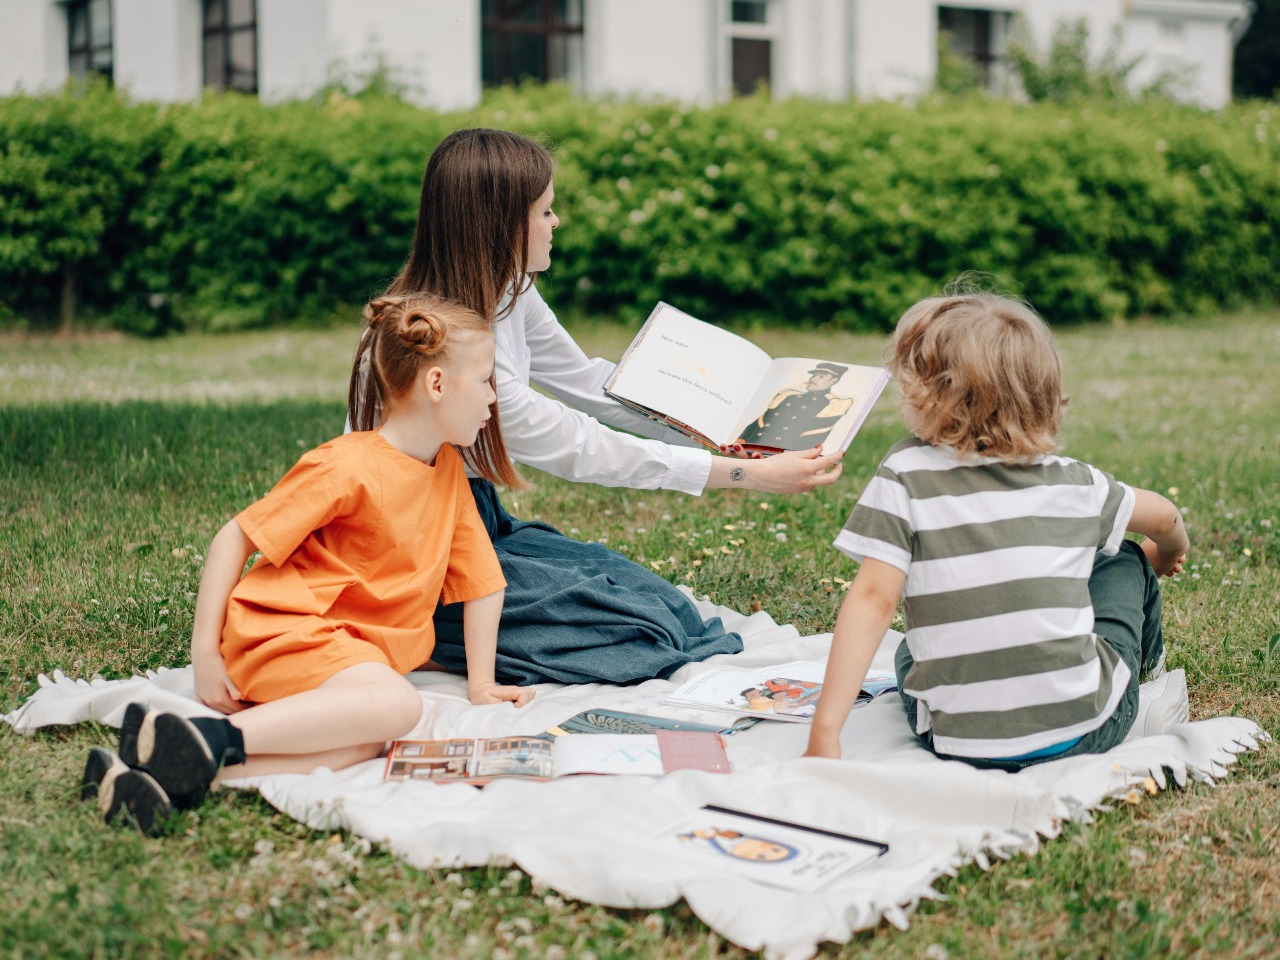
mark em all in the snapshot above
pixel 403 706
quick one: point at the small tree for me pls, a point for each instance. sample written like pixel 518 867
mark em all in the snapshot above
pixel 1065 71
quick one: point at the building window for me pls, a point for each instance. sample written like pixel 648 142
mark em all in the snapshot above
pixel 231 45
pixel 530 40
pixel 89 49
pixel 979 36
pixel 751 32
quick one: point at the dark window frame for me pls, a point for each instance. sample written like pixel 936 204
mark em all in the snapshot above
pixel 86 51
pixel 231 78
pixel 984 55
pixel 503 22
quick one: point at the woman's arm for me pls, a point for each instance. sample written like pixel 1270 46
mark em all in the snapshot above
pixel 864 617
pixel 480 638
pixel 568 437
pixel 223 565
pixel 795 471
pixel 1157 519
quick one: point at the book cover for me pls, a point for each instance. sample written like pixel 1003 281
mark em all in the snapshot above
pixel 480 761
pixel 720 389
pixel 783 691
pixel 599 720
pixel 778 853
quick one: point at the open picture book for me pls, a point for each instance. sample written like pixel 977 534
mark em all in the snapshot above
pixel 783 691
pixel 778 853
pixel 719 389
pixel 480 761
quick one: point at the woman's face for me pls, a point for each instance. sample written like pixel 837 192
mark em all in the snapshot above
pixel 542 220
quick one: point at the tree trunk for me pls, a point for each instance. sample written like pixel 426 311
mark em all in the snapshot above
pixel 68 299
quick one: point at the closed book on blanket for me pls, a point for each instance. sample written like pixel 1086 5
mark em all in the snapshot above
pixel 778 853
pixel 480 761
pixel 599 720
pixel 780 691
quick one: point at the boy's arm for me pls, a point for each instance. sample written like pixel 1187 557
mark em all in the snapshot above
pixel 867 611
pixel 1157 519
pixel 225 562
pixel 480 637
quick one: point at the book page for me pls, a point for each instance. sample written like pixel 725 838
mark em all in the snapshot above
pixel 616 753
pixel 446 760
pixel 784 691
pixel 802 402
pixel 766 851
pixel 690 371
pixel 514 757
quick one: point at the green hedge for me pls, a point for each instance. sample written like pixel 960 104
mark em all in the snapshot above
pixel 795 211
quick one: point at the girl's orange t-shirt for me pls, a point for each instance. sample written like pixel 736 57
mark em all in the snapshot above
pixel 359 543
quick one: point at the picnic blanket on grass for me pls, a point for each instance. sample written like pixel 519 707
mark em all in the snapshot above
pixel 591 838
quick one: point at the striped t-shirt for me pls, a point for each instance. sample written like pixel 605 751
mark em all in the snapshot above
pixel 997 609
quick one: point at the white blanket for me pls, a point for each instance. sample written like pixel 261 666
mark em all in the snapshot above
pixel 590 837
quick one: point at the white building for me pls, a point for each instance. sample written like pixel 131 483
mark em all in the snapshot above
pixel 445 51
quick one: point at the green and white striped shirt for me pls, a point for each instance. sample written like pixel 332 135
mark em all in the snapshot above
pixel 998 616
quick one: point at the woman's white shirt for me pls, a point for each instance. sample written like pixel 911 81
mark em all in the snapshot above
pixel 569 438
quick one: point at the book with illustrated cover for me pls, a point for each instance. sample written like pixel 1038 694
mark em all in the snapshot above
pixel 720 389
pixel 778 853
pixel 599 720
pixel 480 761
pixel 782 691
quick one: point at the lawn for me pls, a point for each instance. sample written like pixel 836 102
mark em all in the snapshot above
pixel 120 458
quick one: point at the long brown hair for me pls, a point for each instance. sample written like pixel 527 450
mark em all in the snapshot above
pixel 472 236
pixel 402 334
pixel 980 373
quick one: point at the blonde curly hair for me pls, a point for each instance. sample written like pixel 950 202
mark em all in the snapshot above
pixel 979 372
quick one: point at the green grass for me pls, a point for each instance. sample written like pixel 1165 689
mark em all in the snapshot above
pixel 119 459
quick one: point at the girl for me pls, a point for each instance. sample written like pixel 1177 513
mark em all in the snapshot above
pixel 1028 615
pixel 575 612
pixel 359 541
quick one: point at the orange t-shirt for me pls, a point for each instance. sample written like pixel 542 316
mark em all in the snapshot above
pixel 359 543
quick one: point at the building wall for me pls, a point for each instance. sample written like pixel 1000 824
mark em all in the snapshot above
pixel 675 49
pixel 157 48
pixel 33 46
pixel 658 48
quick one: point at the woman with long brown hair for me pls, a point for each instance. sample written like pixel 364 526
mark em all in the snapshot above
pixel 575 612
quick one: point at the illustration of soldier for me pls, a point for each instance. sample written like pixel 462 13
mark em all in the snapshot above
pixel 800 418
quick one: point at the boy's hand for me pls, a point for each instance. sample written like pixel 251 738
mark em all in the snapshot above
pixel 821 746
pixel 1164 565
pixel 494 692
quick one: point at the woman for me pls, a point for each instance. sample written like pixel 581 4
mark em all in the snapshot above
pixel 575 612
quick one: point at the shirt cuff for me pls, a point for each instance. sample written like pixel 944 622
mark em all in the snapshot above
pixel 690 470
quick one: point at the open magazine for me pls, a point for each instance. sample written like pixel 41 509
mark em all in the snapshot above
pixel 480 761
pixel 778 853
pixel 720 389
pixel 782 691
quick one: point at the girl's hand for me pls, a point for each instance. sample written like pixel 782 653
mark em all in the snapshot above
pixel 494 692
pixel 214 687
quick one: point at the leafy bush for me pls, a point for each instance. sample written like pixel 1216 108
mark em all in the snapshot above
pixel 796 212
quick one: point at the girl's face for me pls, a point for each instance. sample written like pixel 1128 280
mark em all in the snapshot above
pixel 542 220
pixel 465 389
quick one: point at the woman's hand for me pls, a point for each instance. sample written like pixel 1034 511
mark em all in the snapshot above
pixel 494 692
pixel 214 687
pixel 792 471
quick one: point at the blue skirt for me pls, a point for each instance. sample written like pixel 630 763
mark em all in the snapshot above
pixel 579 612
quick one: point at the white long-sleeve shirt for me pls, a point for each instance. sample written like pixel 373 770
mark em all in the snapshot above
pixel 567 436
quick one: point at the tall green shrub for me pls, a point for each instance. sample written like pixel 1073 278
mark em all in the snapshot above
pixel 790 211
